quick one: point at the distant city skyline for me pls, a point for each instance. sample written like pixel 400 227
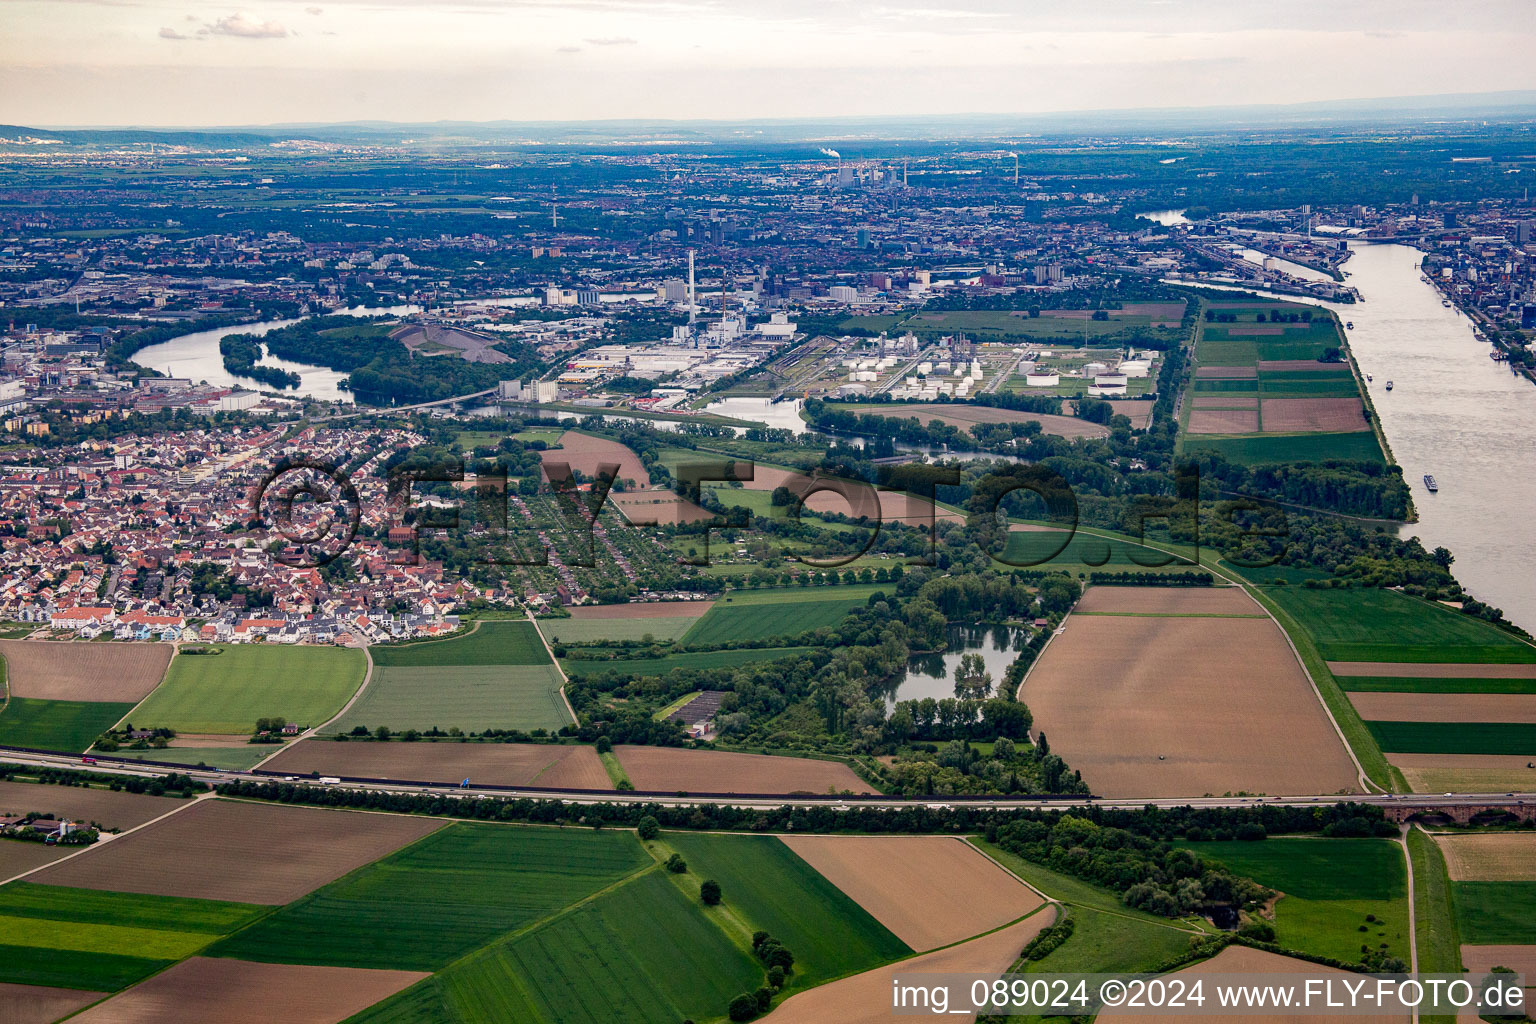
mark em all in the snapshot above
pixel 152 62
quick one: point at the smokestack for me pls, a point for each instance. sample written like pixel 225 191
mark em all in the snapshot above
pixel 690 288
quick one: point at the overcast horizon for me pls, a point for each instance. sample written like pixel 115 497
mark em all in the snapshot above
pixel 66 63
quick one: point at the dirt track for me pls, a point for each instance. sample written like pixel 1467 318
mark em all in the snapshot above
pixel 929 891
pixel 63 670
pixel 203 990
pixel 673 769
pixel 492 764
pixel 245 852
pixel 1157 707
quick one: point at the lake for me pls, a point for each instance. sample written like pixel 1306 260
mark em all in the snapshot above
pixel 933 675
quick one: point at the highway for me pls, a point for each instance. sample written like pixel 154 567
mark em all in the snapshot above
pixel 1516 802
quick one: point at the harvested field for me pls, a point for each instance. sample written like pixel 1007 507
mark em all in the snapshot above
pixel 657 506
pixel 584 453
pixel 1223 421
pixel 1226 401
pixel 866 998
pixel 113 809
pixel 1242 960
pixel 1449 671
pixel 1302 366
pixel 644 610
pixel 1139 413
pixel 1490 856
pixel 61 670
pixel 1445 707
pixel 1466 773
pixel 929 890
pixel 672 769
pixel 957 414
pixel 1519 958
pixel 493 764
pixel 1169 601
pixel 622 627
pixel 1313 414
pixel 1150 706
pixel 34 1004
pixel 19 858
pixel 244 992
pixel 1225 372
pixel 247 853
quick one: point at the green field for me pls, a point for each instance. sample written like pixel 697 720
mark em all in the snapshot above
pixel 1455 737
pixel 1434 907
pixel 1494 913
pixel 1415 684
pixel 765 614
pixel 673 662
pixel 495 642
pixel 66 725
pixel 1330 886
pixel 1219 350
pixel 227 692
pixel 1264 449
pixel 1205 385
pixel 588 631
pixel 82 938
pixel 1367 624
pixel 1307 385
pixel 772 889
pixel 1084 552
pixel 436 900
pixel 470 697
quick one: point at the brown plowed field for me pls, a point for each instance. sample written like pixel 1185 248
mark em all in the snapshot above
pixel 651 610
pixel 1226 402
pixel 19 858
pixel 673 769
pixel 1242 960
pixel 1490 856
pixel 492 764
pixel 1466 773
pixel 585 453
pixel 966 416
pixel 1226 372
pixel 60 670
pixel 1304 365
pixel 657 507
pixel 1170 601
pixel 929 891
pixel 1445 707
pixel 33 1004
pixel 1159 707
pixel 1313 414
pixel 204 990
pixel 113 809
pixel 1223 421
pixel 866 998
pixel 1138 412
pixel 1427 671
pixel 1520 959
pixel 244 852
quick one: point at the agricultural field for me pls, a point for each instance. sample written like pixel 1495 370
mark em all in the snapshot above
pixel 584 453
pixel 112 808
pixel 965 417
pixel 239 852
pixel 436 900
pixel 556 766
pixel 69 726
pixel 38 1004
pixel 1372 625
pixel 690 660
pixel 102 941
pixel 230 992
pixel 1052 550
pixel 225 693
pixel 112 673
pixel 1489 856
pixel 929 891
pixel 745 616
pixel 674 769
pixel 1331 887
pixel 1467 773
pixel 662 620
pixel 492 642
pixel 1147 705
pixel 1204 601
pixel 1493 893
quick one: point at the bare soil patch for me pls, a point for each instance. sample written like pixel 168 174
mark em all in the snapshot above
pixel 246 992
pixel 1429 671
pixel 852 498
pixel 244 852
pixel 1138 412
pixel 1226 372
pixel 204 740
pixel 658 507
pixel 1520 959
pixel 1250 331
pixel 67 670
pixel 1466 773
pixel 584 453
pixel 1313 414
pixel 1304 366
pixel 110 808
pixel 1170 601
pixel 34 1004
pixel 673 769
pixel 1173 311
pixel 866 998
pixel 18 858
pixel 1223 421
pixel 492 764
pixel 431 340
pixel 1490 856
pixel 1445 707
pixel 1155 707
pixel 929 891
pixel 1226 402
pixel 643 610
pixel 1242 960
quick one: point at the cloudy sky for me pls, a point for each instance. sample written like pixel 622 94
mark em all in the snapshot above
pixel 199 62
